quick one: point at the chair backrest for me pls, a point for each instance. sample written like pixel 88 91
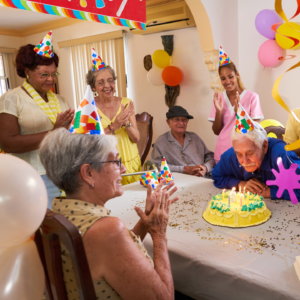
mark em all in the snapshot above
pixel 144 124
pixel 56 228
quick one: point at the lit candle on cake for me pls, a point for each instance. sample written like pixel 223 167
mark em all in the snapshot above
pixel 232 195
pixel 223 194
pixel 248 196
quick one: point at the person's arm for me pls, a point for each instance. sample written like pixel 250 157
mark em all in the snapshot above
pixel 225 173
pixel 132 131
pixel 112 255
pixel 218 106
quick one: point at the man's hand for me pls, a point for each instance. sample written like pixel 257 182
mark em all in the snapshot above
pixel 203 170
pixel 266 193
pixel 198 170
pixel 253 186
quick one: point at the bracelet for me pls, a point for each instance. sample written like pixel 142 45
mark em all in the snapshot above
pixel 111 131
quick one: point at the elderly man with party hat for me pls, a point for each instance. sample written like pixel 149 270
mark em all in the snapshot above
pixel 253 159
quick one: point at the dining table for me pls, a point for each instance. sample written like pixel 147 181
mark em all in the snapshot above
pixel 215 262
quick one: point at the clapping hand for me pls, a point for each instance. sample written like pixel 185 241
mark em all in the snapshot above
pixel 236 102
pixel 218 102
pixel 64 119
pixel 121 118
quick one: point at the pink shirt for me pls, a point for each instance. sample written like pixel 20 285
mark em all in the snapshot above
pixel 250 102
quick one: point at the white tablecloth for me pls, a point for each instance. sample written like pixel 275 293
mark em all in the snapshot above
pixel 212 262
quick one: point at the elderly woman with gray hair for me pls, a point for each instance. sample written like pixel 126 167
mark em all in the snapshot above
pixel 117 118
pixel 249 163
pixel 119 263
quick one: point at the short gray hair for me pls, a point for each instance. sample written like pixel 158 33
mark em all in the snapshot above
pixel 63 153
pixel 258 135
pixel 90 77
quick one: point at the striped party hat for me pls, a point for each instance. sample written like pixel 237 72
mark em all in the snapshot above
pixel 45 47
pixel 87 119
pixel 165 172
pixel 244 123
pixel 223 58
pixel 97 62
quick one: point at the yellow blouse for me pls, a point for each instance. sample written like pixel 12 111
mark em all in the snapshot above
pixel 127 149
pixel 83 215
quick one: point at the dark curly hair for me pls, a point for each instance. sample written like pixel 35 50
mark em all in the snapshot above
pixel 27 58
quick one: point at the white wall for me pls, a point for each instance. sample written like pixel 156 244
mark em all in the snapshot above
pixel 254 77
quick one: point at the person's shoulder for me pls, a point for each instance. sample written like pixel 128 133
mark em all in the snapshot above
pixel 276 144
pixel 251 94
pixel 228 155
pixel 162 138
pixel 125 100
pixel 297 112
pixel 193 134
pixel 12 94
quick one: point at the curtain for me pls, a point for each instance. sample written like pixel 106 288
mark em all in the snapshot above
pixel 112 53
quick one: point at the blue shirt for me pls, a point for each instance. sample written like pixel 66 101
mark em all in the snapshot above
pixel 228 172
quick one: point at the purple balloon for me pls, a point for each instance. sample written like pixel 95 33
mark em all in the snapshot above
pixel 264 21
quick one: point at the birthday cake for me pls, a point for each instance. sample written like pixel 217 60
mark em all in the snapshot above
pixel 236 210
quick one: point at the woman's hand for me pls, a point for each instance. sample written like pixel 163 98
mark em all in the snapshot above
pixel 218 102
pixel 151 197
pixel 64 119
pixel 121 118
pixel 236 102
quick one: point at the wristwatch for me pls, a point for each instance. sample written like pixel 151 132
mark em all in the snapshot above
pixel 129 125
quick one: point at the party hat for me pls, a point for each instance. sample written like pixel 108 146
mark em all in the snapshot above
pixel 223 58
pixel 149 178
pixel 87 119
pixel 45 47
pixel 165 172
pixel 244 123
pixel 97 62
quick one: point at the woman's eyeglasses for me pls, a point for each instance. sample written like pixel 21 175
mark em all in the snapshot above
pixel 102 82
pixel 117 162
pixel 47 75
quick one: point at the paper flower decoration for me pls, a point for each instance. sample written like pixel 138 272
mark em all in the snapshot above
pixel 87 119
pixel 97 62
pixel 45 47
pixel 149 178
pixel 286 179
pixel 223 58
pixel 165 172
pixel 243 123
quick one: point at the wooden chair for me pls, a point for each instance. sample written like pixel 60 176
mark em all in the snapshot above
pixel 54 228
pixel 144 124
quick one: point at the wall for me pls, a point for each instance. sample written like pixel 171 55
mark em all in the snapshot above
pixel 254 77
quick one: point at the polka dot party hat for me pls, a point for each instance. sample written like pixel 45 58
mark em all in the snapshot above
pixel 97 62
pixel 244 123
pixel 149 178
pixel 87 119
pixel 45 47
pixel 223 58
pixel 165 172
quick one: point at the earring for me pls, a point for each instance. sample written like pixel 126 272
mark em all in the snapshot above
pixel 92 185
pixel 27 77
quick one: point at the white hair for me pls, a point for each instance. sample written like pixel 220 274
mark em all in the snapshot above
pixel 63 153
pixel 258 135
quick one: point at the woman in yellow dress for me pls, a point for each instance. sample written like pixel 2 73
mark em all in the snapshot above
pixel 117 115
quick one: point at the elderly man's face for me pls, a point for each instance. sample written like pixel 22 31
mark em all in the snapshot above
pixel 248 154
pixel 178 124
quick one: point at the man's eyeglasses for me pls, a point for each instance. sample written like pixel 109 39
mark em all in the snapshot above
pixel 183 120
pixel 102 82
pixel 47 75
pixel 117 162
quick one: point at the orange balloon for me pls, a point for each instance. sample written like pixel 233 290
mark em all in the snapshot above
pixel 171 76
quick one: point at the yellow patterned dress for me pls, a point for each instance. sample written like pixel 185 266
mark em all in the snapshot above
pixel 127 149
pixel 83 215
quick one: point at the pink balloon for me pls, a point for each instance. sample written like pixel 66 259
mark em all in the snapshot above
pixel 269 53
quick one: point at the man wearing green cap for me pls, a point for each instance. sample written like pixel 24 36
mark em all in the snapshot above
pixel 184 151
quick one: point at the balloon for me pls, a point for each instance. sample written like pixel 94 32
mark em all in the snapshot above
pixel 154 76
pixel 21 273
pixel 172 76
pixel 161 58
pixel 23 200
pixel 264 21
pixel 285 29
pixel 268 53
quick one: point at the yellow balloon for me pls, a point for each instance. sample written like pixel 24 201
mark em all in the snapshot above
pixel 270 122
pixel 161 58
pixel 287 30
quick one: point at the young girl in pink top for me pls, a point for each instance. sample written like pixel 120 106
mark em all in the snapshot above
pixel 224 105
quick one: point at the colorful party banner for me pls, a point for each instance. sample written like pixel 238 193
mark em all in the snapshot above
pixel 128 13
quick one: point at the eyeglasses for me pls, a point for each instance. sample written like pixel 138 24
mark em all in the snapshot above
pixel 117 162
pixel 102 82
pixel 47 75
pixel 183 120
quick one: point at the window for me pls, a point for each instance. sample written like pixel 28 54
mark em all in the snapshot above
pixel 4 80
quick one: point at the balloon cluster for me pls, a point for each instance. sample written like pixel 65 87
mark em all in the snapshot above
pixel 162 72
pixel 23 204
pixel 281 36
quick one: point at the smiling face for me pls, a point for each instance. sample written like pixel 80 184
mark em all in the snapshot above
pixel 40 84
pixel 108 180
pixel 229 79
pixel 105 84
pixel 248 154
pixel 178 125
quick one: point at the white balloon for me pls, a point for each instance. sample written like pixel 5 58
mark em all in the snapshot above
pixel 23 200
pixel 154 76
pixel 21 274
